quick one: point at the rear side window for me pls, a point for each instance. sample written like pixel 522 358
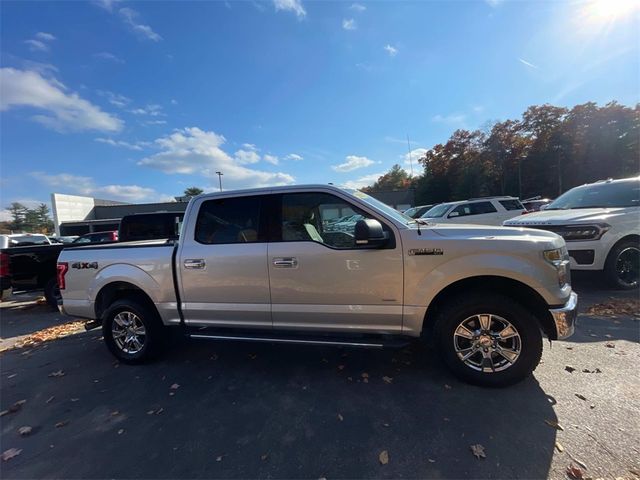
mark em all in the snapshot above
pixel 511 204
pixel 229 220
pixel 476 208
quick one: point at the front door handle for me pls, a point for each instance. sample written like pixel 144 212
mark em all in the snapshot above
pixel 194 263
pixel 285 262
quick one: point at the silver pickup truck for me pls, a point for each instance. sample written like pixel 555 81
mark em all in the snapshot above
pixel 268 265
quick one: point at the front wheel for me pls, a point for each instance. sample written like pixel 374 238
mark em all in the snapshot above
pixel 488 340
pixel 622 268
pixel 132 331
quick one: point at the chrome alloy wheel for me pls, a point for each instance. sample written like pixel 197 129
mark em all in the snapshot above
pixel 628 266
pixel 487 343
pixel 128 332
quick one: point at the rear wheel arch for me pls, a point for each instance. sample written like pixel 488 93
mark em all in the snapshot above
pixel 120 290
pixel 514 289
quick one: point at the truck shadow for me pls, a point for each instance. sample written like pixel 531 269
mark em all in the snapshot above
pixel 240 410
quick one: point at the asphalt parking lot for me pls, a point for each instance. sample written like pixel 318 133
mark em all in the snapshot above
pixel 234 410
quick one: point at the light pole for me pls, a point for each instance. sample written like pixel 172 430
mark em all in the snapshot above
pixel 220 179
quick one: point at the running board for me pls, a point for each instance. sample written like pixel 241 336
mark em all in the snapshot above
pixel 362 342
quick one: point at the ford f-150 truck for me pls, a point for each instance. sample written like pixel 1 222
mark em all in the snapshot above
pixel 261 265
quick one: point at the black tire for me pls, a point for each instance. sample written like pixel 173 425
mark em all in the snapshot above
pixel 52 293
pixel 460 309
pixel 625 255
pixel 153 340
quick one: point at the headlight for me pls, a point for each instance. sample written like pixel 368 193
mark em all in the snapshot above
pixel 559 258
pixel 572 233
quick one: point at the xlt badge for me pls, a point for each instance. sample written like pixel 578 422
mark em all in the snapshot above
pixel 426 251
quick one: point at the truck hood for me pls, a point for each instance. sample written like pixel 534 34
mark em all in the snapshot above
pixel 488 232
pixel 564 217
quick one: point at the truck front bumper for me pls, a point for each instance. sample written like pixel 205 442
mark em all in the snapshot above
pixel 565 317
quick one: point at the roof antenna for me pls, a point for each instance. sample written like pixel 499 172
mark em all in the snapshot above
pixel 410 159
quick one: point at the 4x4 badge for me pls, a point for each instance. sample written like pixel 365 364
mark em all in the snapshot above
pixel 426 251
pixel 83 265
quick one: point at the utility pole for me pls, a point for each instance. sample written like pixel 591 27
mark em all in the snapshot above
pixel 220 179
pixel 410 159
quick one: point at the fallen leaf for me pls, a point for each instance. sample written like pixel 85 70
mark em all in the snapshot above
pixel 324 360
pixel 3 413
pixel 387 379
pixel 219 458
pixel 617 306
pixel 24 431
pixel 554 424
pixel 365 380
pixel 581 397
pixel 383 457
pixel 50 333
pixel 386 425
pixel 62 424
pixel 150 412
pixel 431 460
pixel 592 406
pixel 264 456
pixel 365 375
pixel 575 472
pixel 75 399
pixel 159 411
pixel 340 367
pixel 447 387
pixel 121 431
pixel 57 373
pixel 570 369
pixel 13 375
pixel 340 417
pixel 175 386
pixel 559 447
pixel 9 454
pixel 569 348
pixel 610 345
pixel 50 399
pixel 253 356
pixel 478 451
pixel 115 413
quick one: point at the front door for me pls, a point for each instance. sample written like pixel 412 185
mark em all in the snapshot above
pixel 320 279
pixel 224 280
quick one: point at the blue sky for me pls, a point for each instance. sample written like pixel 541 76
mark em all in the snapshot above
pixel 137 100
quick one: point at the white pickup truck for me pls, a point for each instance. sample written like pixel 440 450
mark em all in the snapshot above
pixel 262 265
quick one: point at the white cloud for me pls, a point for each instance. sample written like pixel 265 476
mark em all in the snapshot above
pixel 115 98
pixel 363 181
pixel 40 42
pixel 353 162
pixel 45 37
pixel 108 57
pixel 151 110
pixel 528 64
pixel 64 111
pixel 290 6
pixel 82 185
pixel 154 122
pixel 416 154
pixel 37 45
pixel 123 144
pixel 272 159
pixel 358 7
pixel 451 119
pixel 349 24
pixel 294 156
pixel 192 151
pixel 248 154
pixel 392 51
pixel 494 3
pixel 129 16
pixel 106 4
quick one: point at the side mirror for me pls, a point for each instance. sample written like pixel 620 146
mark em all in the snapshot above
pixel 369 232
pixel 454 214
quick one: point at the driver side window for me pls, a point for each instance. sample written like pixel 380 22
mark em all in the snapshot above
pixel 319 217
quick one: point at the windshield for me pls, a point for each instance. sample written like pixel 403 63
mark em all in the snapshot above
pixel 378 205
pixel 437 211
pixel 599 195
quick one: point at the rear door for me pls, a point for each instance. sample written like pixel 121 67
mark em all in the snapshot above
pixel 511 207
pixel 320 279
pixel 479 213
pixel 222 263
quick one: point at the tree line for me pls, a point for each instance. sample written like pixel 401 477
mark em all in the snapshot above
pixel 30 220
pixel 545 152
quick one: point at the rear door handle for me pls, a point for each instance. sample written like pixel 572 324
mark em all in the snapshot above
pixel 194 263
pixel 285 262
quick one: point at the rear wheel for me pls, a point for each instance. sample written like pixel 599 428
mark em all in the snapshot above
pixel 132 331
pixel 622 268
pixel 488 340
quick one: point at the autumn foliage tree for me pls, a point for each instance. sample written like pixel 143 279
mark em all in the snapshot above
pixel 546 152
